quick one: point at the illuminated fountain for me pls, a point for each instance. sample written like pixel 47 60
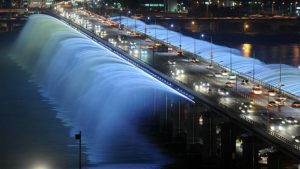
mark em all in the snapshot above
pixel 267 73
pixel 94 90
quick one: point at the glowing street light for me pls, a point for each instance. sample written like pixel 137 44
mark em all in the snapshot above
pixel 172 25
pixel 273 3
pixel 246 27
pixel 147 19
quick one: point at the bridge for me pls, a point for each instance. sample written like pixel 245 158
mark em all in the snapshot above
pixel 201 96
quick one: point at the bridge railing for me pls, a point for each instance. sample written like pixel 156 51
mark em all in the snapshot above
pixel 259 127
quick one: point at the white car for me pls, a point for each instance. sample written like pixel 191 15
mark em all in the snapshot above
pixel 171 62
pixel 223 92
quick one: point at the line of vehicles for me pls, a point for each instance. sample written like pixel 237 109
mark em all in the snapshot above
pixel 277 123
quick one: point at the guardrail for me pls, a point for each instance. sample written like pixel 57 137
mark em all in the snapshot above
pixel 154 73
pixel 247 122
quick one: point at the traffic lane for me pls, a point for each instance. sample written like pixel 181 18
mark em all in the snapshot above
pixel 216 70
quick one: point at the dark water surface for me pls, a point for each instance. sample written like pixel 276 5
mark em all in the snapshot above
pixel 31 135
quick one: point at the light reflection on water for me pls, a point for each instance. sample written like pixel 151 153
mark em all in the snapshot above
pixel 272 53
pixel 246 49
pixel 267 49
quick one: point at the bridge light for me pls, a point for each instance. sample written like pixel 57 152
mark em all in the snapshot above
pixel 246 26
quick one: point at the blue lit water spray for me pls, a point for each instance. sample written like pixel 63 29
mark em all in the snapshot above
pixel 267 73
pixel 93 89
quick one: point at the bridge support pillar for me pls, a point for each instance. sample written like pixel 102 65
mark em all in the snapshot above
pixel 11 27
pixel 228 145
pixel 165 121
pixel 250 152
pixel 179 117
pixel 274 161
pixel 194 123
pixel 209 136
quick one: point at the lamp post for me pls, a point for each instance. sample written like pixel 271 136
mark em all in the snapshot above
pixel 282 8
pixel 128 13
pixel 253 72
pixel 207 3
pixel 273 3
pixel 295 8
pixel 291 8
pixel 195 47
pixel 168 32
pixel 147 19
pixel 155 29
pixel 180 42
pixel 78 137
pixel 134 26
pixel 211 52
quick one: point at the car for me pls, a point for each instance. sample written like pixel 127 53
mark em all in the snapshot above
pixel 232 77
pixel 272 104
pixel 245 82
pixel 202 85
pixel 257 89
pixel 296 104
pixel 151 46
pixel 276 127
pixel 171 62
pixel 229 84
pixel 268 116
pixel 296 139
pixel 179 53
pixel 246 107
pixel 289 120
pixel 217 74
pixel 194 60
pixel 223 92
pixel 210 66
pixel 271 93
pixel 224 73
pixel 280 101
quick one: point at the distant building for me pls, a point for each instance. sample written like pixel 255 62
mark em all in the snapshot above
pixel 159 5
pixel 38 3
pixel 171 5
pixel 35 3
pixel 152 5
pixel 5 3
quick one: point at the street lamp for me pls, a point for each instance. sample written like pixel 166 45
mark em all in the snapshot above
pixel 147 19
pixel 155 29
pixel 168 32
pixel 180 52
pixel 207 3
pixel 273 3
pixel 78 137
pixel 195 47
pixel 253 72
pixel 291 8
pixel 128 14
pixel 295 8
pixel 120 18
pixel 211 52
pixel 134 26
pixel 282 8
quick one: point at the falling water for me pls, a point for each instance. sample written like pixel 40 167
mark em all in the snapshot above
pixel 267 73
pixel 94 90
